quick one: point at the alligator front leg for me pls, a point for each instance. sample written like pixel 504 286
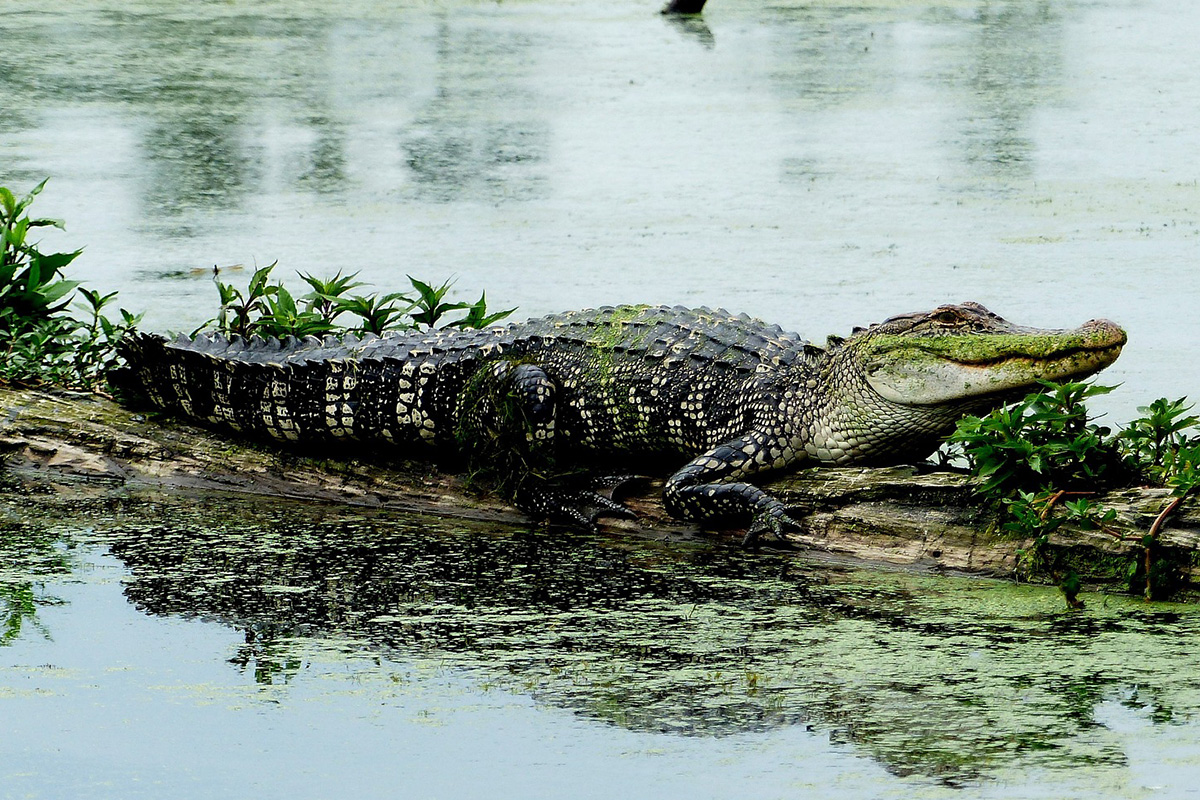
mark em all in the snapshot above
pixel 709 487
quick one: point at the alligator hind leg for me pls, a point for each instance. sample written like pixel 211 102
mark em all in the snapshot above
pixel 567 501
pixel 508 406
pixel 507 428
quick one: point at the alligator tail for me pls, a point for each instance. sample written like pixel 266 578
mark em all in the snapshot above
pixel 136 383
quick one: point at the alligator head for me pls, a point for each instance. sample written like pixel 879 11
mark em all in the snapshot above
pixel 965 353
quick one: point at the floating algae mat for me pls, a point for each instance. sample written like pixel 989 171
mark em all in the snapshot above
pixel 938 682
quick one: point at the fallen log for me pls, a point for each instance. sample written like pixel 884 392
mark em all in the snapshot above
pixel 900 516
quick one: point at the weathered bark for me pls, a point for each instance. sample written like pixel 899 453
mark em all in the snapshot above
pixel 897 516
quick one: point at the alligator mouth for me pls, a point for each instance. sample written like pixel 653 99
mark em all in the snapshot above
pixel 989 367
pixel 1101 339
pixel 1075 363
pixel 1106 353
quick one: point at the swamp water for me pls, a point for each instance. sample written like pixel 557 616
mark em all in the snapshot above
pixel 301 651
pixel 815 164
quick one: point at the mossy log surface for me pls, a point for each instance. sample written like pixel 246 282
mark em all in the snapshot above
pixel 899 516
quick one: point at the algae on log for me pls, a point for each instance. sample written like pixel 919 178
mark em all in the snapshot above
pixel 898 516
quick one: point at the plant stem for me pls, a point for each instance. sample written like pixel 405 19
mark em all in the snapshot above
pixel 1053 499
pixel 1152 537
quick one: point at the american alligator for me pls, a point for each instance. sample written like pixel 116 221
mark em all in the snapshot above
pixel 730 394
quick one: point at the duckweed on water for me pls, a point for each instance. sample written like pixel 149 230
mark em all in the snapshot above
pixel 954 680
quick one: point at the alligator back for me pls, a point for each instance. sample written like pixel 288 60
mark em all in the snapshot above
pixel 631 378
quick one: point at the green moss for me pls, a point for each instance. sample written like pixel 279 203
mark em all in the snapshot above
pixel 604 361
pixel 1121 571
pixel 623 314
pixel 982 348
pixel 611 331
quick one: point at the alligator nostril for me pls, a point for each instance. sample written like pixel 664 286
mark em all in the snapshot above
pixel 1107 328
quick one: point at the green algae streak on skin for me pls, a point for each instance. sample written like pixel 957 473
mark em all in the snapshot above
pixel 987 348
pixel 608 331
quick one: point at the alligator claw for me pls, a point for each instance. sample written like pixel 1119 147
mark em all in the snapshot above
pixel 607 507
pixel 775 522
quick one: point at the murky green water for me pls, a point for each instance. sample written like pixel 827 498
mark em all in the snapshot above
pixel 817 164
pixel 307 651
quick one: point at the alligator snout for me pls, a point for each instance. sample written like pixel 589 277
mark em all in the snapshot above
pixel 1107 332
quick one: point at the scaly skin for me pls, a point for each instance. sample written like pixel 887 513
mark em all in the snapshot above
pixel 731 395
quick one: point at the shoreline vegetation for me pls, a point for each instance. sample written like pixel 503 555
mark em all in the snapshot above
pixel 1035 491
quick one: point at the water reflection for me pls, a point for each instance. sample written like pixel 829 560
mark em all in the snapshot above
pixel 692 27
pixel 30 556
pixel 947 679
pixel 210 86
pixel 1001 61
pixel 470 120
pixel 206 85
pixel 481 136
pixel 1014 68
pixel 326 170
pixel 829 57
pixel 199 162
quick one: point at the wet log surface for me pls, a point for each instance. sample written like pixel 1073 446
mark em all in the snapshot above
pixel 898 516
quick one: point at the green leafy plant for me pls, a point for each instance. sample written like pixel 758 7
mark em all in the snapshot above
pixel 31 282
pixel 328 293
pixel 377 314
pixel 1032 456
pixel 1185 476
pixel 1152 444
pixel 267 308
pixel 40 342
pixel 1045 441
pixel 431 309
pixel 477 316
pixel 428 303
pixel 97 336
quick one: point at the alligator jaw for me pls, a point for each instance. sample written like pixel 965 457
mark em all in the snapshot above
pixel 958 368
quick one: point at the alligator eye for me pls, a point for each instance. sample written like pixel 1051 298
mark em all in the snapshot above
pixel 948 318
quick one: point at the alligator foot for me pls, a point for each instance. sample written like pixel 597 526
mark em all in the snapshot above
pixel 774 521
pixel 569 505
